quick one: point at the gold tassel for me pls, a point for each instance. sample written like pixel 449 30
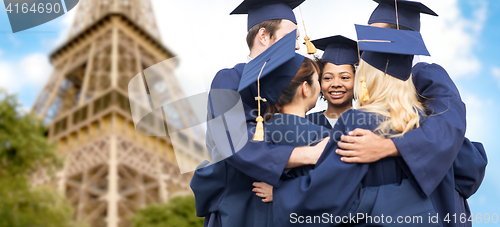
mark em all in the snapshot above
pixel 259 130
pixel 311 49
pixel 363 91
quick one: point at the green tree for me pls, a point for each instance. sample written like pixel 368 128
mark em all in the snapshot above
pixel 23 145
pixel 178 212
pixel 24 149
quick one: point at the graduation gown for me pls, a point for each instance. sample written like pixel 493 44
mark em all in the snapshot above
pixel 339 189
pixel 431 150
pixel 320 119
pixel 224 197
pixel 256 164
pixel 293 130
pixel 470 163
pixel 473 156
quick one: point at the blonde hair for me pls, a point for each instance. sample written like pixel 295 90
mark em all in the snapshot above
pixel 395 100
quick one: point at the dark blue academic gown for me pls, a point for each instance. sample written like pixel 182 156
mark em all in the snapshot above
pixel 265 168
pixel 469 166
pixel 292 130
pixel 286 129
pixel 430 150
pixel 320 119
pixel 337 188
pixel 392 173
pixel 223 191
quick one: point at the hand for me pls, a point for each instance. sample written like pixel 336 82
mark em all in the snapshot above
pixel 263 190
pixel 364 146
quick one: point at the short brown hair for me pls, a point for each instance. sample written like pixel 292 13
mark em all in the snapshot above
pixel 271 27
pixel 401 27
pixel 305 73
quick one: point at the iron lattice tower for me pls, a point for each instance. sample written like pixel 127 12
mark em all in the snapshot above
pixel 110 170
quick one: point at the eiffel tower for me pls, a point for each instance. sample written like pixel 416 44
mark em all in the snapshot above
pixel 110 171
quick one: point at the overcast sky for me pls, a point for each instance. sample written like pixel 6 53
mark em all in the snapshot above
pixel 463 39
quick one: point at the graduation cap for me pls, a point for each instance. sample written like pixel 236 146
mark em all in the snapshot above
pixel 390 50
pixel 338 50
pixel 273 70
pixel 400 12
pixel 262 10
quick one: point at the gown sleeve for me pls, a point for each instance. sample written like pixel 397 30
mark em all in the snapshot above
pixel 469 167
pixel 208 185
pixel 429 151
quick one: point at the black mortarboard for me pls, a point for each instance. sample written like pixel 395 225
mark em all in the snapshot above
pixel 390 50
pixel 338 50
pixel 408 13
pixel 261 10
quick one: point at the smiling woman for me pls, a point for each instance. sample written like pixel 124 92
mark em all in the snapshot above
pixel 337 83
pixel 336 78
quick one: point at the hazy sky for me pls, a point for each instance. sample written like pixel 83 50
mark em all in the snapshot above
pixel 463 39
